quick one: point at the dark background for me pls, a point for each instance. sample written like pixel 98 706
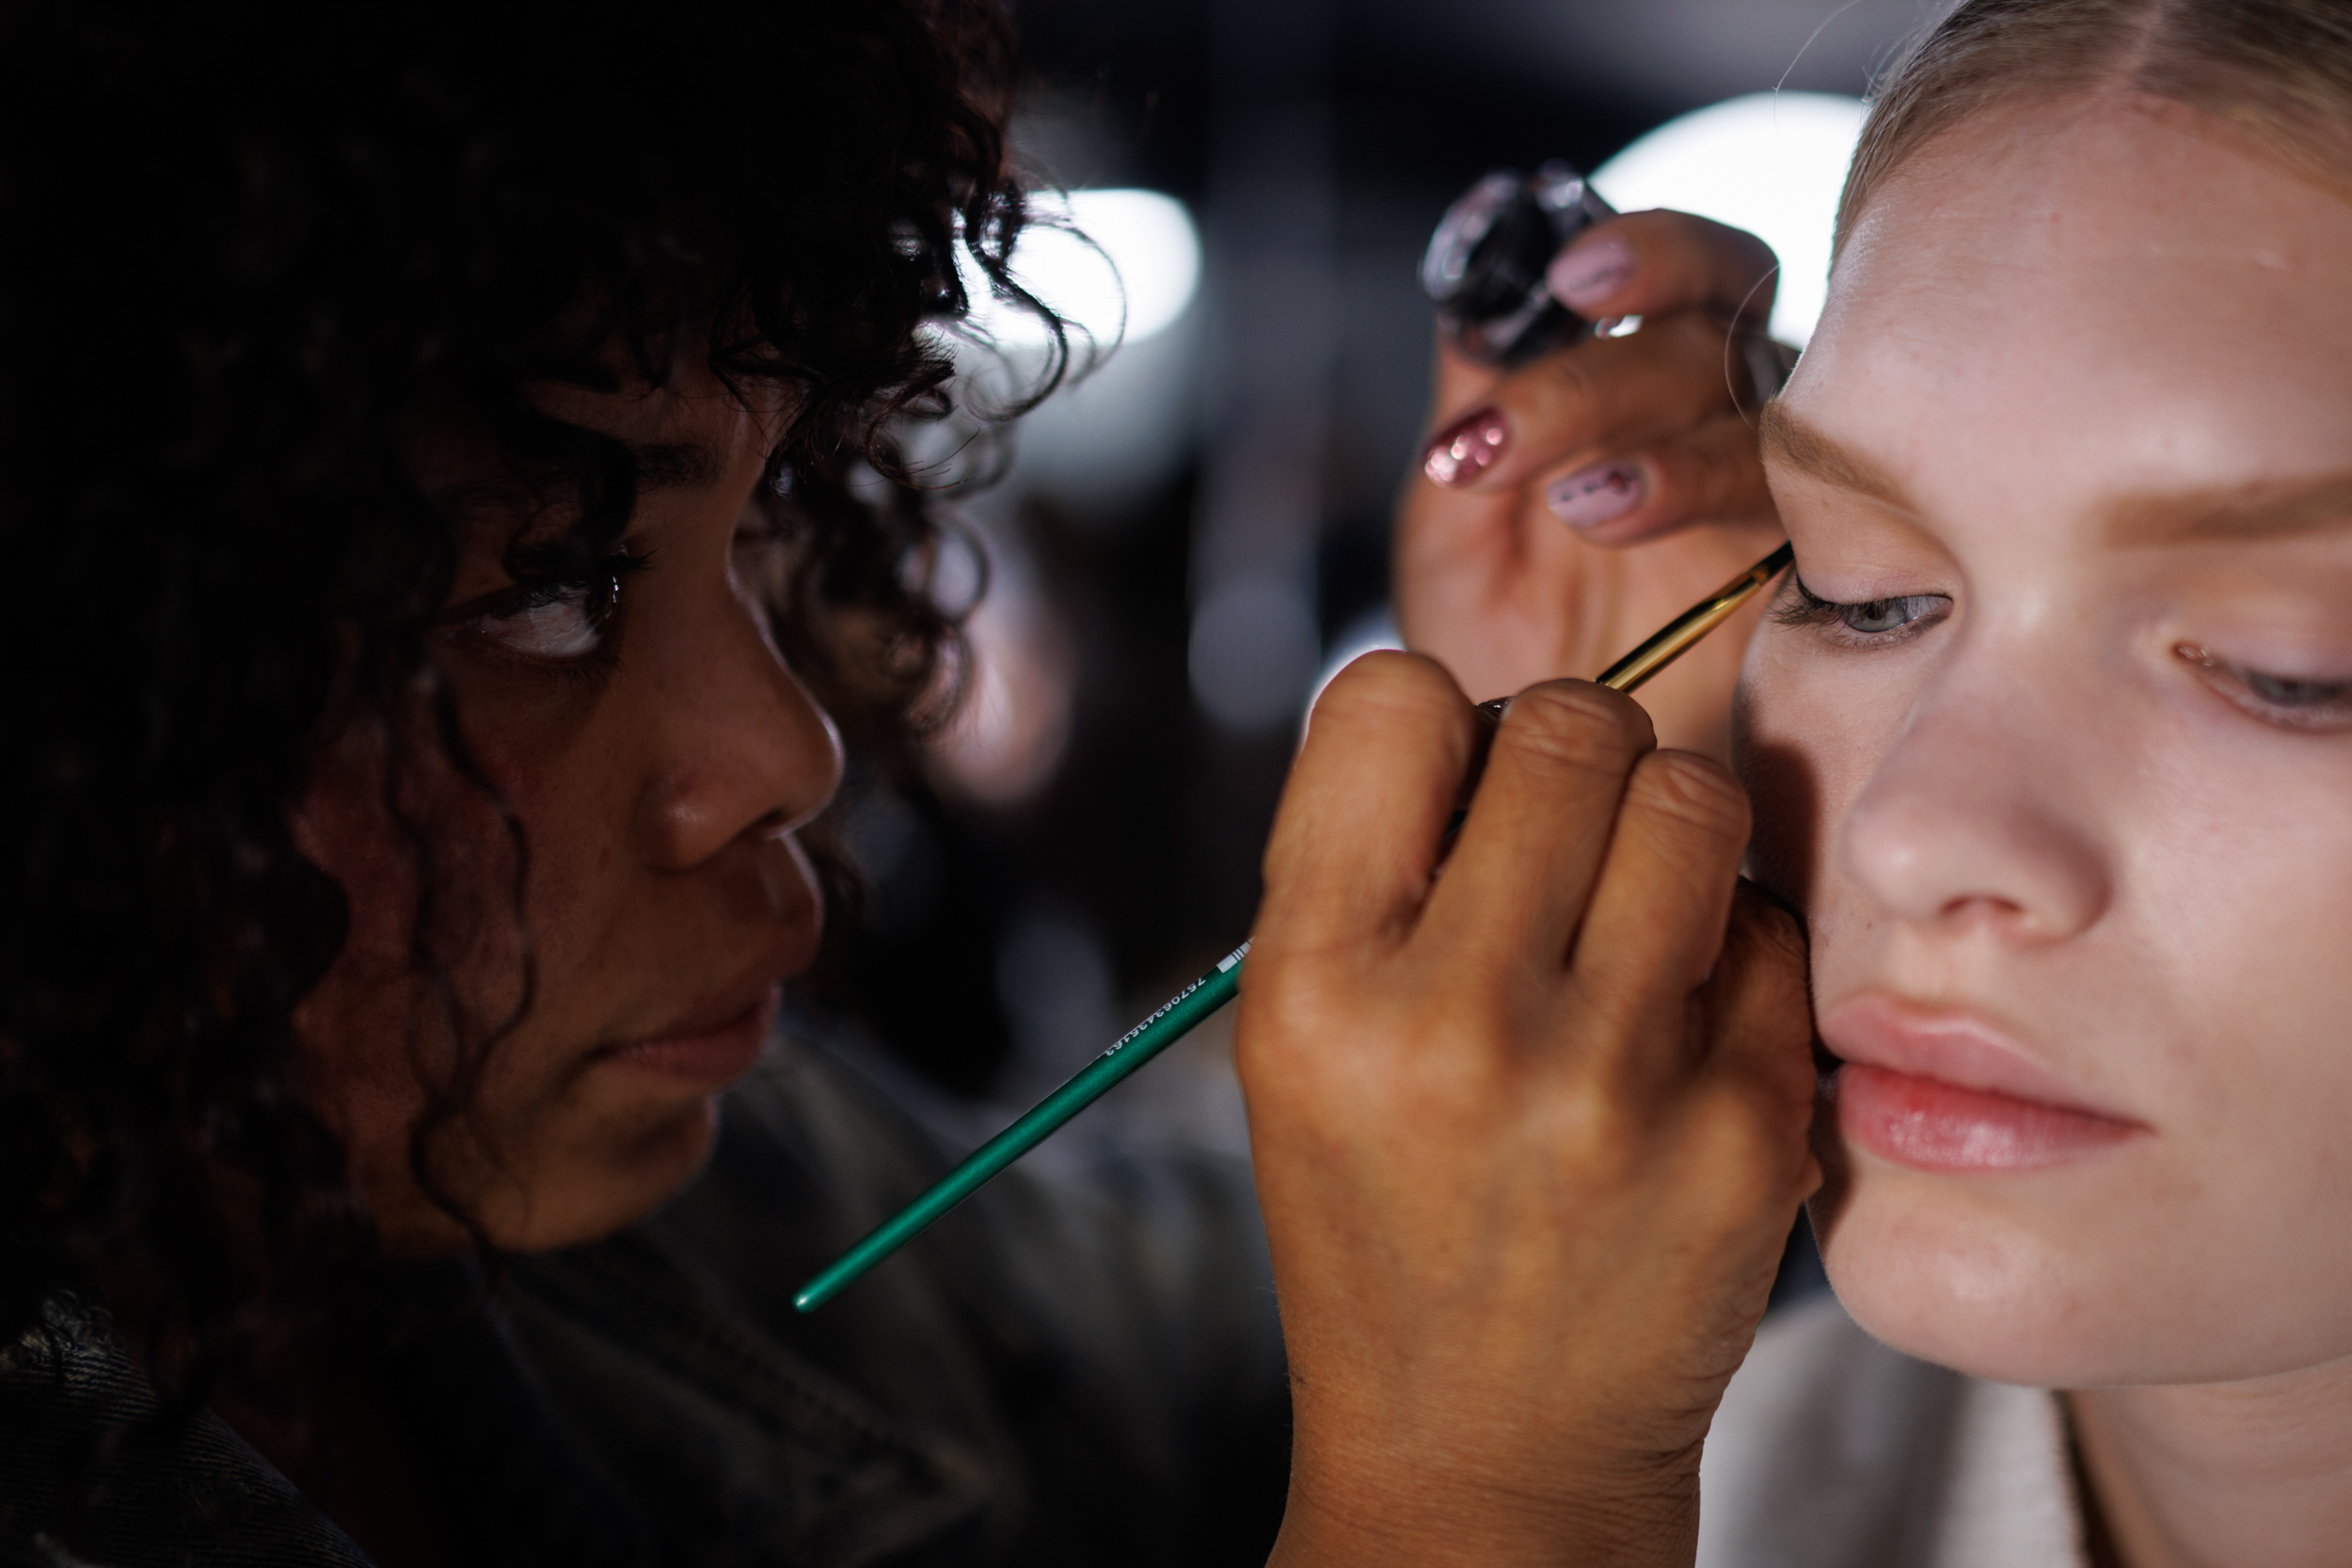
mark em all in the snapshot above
pixel 1316 142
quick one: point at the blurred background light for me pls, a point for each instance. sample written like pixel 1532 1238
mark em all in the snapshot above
pixel 1180 535
pixel 1254 648
pixel 1771 163
pixel 1009 734
pixel 1101 259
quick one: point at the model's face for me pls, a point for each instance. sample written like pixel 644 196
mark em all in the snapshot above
pixel 2067 792
pixel 657 756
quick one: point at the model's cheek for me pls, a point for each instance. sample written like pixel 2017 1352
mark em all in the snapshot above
pixel 1784 790
pixel 1793 748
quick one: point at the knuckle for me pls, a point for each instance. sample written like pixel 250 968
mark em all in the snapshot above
pixel 1576 723
pixel 1592 1130
pixel 1573 388
pixel 1289 1017
pixel 1693 790
pixel 1768 940
pixel 1751 1134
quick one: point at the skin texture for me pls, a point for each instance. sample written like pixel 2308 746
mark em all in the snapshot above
pixel 2078 401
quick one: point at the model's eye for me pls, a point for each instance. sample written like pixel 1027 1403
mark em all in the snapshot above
pixel 1868 622
pixel 2291 693
pixel 1877 616
pixel 2280 699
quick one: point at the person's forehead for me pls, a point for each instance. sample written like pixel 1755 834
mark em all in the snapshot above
pixel 2096 293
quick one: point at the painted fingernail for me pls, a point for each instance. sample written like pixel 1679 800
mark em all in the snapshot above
pixel 1590 273
pixel 1466 448
pixel 1590 497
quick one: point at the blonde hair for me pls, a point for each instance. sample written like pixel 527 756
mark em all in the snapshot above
pixel 2279 69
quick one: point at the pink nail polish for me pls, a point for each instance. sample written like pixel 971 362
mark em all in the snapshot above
pixel 1590 497
pixel 1466 449
pixel 1587 274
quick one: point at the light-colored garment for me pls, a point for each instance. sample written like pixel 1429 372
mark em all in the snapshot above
pixel 1833 1451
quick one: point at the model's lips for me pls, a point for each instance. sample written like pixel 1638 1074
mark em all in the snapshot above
pixel 1942 1091
pixel 707 1051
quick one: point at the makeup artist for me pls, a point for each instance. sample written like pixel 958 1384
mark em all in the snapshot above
pixel 439 488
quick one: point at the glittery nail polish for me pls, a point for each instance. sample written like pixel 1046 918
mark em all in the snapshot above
pixel 1466 449
pixel 1590 497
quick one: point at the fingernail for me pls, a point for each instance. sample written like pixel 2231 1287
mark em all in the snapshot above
pixel 1590 497
pixel 1466 448
pixel 1590 273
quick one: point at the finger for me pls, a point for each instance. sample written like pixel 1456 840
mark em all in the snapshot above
pixel 1760 1007
pixel 1715 474
pixel 1457 383
pixel 1757 1059
pixel 1602 395
pixel 1649 263
pixel 1538 826
pixel 1661 903
pixel 1357 832
pixel 1644 263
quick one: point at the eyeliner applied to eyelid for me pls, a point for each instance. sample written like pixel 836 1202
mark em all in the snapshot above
pixel 1903 615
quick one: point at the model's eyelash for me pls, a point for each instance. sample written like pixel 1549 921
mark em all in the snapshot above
pixel 1802 607
pixel 1863 624
pixel 2285 701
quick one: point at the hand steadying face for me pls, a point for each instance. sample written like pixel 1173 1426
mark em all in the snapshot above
pixel 658 757
pixel 2065 785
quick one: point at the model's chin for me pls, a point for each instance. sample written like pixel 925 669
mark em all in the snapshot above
pixel 1959 1294
pixel 2065 1285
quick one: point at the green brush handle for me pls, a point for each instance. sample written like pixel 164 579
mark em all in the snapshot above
pixel 1137 1046
pixel 1214 990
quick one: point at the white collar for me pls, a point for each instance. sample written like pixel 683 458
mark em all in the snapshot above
pixel 1833 1451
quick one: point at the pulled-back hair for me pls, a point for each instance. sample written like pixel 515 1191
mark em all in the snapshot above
pixel 246 251
pixel 2281 70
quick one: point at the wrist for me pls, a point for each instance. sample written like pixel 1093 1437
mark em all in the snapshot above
pixel 1371 1510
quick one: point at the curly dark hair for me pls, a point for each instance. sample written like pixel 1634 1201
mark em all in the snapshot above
pixel 247 247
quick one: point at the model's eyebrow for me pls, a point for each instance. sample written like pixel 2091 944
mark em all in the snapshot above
pixel 677 466
pixel 2269 510
pixel 1791 441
